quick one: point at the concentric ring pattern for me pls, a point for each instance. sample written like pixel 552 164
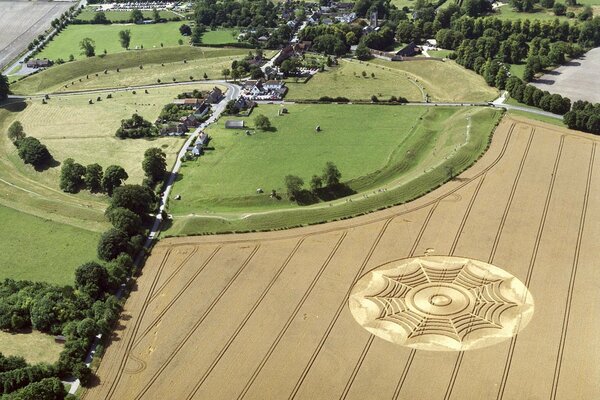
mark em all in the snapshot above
pixel 441 303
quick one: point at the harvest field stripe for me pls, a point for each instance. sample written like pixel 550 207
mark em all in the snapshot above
pixel 133 332
pixel 367 346
pixel 173 274
pixel 197 325
pixel 515 184
pixel 157 319
pixel 565 324
pixel 532 261
pixel 241 325
pixel 290 319
pixel 339 310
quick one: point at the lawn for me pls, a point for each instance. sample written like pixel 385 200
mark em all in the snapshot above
pixel 442 80
pixel 436 143
pixel 373 146
pixel 35 347
pixel 122 16
pixel 517 70
pixel 540 13
pixel 209 60
pixel 106 38
pixel 220 36
pixel 439 53
pixel 38 249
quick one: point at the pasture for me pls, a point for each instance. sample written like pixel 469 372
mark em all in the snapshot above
pixel 35 347
pixel 23 21
pixel 220 36
pixel 275 310
pixel 106 37
pixel 54 79
pixel 442 81
pixel 39 249
pixel 409 152
pixel 70 127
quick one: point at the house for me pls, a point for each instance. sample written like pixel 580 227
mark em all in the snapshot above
pixel 234 124
pixel 190 121
pixel 188 102
pixel 38 63
pixel 346 18
pixel 273 85
pixel 215 96
pixel 409 50
pixel 201 110
pixel 203 139
pixel 263 38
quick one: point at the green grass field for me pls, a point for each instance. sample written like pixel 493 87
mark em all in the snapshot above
pixel 346 80
pixel 106 38
pixel 442 81
pixel 121 16
pixel 199 60
pixel 405 149
pixel 42 250
pixel 540 13
pixel 439 53
pixel 35 347
pixel 537 117
pixel 220 36
pixel 70 127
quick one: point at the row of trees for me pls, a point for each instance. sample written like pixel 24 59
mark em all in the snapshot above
pixel 242 13
pixel 584 116
pixel 75 177
pixel 135 127
pixel 531 95
pixel 329 179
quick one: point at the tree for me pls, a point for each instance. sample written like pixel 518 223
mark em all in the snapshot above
pixel 15 132
pixel 362 52
pixel 112 243
pixel 559 9
pixel 316 182
pixel 293 185
pixel 71 176
pixel 113 178
pixel 88 47
pixel 4 87
pixel 262 122
pixel 92 278
pixel 33 152
pixel 100 18
pixel 139 199
pixel 290 66
pixel 331 174
pixel 93 177
pixel 155 15
pixel 528 73
pixel 124 220
pixel 197 34
pixel 125 38
pixel 136 15
pixel 155 164
pixel 225 72
pixel 185 30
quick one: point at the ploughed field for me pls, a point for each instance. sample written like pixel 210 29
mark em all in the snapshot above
pixel 23 21
pixel 267 315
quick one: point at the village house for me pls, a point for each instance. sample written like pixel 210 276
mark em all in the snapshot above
pixel 215 96
pixel 39 63
pixel 264 90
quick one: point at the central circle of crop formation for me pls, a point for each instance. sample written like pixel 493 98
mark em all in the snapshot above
pixel 441 303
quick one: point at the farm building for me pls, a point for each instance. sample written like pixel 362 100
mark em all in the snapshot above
pixel 39 63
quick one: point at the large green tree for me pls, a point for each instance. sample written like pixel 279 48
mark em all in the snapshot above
pixel 112 243
pixel 124 220
pixel 136 15
pixel 33 152
pixel 155 164
pixel 91 277
pixel 71 176
pixel 16 132
pixel 331 174
pixel 93 177
pixel 88 47
pixel 114 176
pixel 137 198
pixel 125 38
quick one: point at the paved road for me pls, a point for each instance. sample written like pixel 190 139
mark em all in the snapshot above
pixel 233 92
pixel 500 102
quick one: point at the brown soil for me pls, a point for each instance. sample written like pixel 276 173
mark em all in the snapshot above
pixel 266 316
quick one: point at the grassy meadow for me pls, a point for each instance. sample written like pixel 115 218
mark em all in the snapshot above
pixel 199 60
pixel 220 36
pixel 405 149
pixel 39 249
pixel 442 81
pixel 35 347
pixel 106 38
